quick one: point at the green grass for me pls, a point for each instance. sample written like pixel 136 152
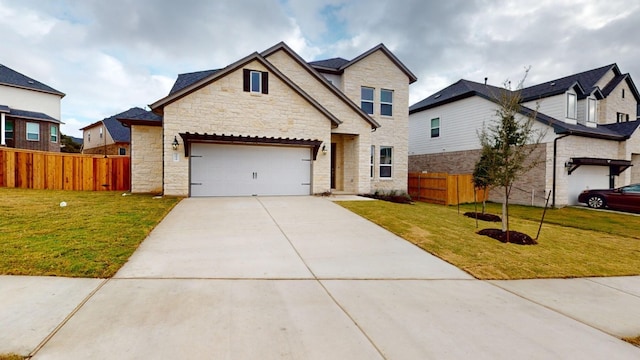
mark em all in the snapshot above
pixel 573 242
pixel 93 236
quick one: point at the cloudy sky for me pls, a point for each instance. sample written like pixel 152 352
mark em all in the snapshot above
pixel 108 56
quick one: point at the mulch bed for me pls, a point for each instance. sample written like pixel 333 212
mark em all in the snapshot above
pixel 515 237
pixel 483 217
pixel 400 199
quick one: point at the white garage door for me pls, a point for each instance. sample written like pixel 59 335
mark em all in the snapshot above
pixel 245 170
pixel 587 177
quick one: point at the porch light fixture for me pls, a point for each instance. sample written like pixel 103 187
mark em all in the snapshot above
pixel 175 144
pixel 324 149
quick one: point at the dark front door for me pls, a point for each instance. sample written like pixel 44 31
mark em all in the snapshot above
pixel 333 165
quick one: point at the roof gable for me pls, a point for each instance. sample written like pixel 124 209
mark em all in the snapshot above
pixel 321 79
pixel 586 80
pixel 338 65
pixel 13 78
pixel 158 106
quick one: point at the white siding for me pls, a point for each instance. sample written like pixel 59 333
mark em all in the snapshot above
pixel 336 80
pixel 554 106
pixel 460 123
pixel 23 99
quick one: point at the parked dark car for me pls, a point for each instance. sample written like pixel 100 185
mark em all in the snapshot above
pixel 626 198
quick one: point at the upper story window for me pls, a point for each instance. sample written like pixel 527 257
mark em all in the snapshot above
pixel 122 151
pixel 100 132
pixel 435 127
pixel 572 106
pixel 255 81
pixel 592 114
pixel 386 161
pixel 8 130
pixel 54 133
pixel 623 93
pixel 88 136
pixel 622 117
pixel 386 102
pixel 33 131
pixel 366 99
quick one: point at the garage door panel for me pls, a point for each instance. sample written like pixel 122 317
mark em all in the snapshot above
pixel 243 170
pixel 587 177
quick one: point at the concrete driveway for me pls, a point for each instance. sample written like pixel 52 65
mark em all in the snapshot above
pixel 302 278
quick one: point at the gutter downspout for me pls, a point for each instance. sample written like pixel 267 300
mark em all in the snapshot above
pixel 555 160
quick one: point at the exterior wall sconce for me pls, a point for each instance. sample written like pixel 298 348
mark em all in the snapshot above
pixel 175 143
pixel 324 149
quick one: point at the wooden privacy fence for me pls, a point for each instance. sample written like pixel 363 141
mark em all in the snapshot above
pixel 59 171
pixel 443 188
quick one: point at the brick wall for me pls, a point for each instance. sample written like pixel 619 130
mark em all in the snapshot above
pixel 20 141
pixel 531 184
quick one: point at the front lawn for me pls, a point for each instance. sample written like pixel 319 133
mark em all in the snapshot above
pixel 92 236
pixel 573 243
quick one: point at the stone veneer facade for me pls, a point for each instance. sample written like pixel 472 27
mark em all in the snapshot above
pixel 221 107
pixel 146 159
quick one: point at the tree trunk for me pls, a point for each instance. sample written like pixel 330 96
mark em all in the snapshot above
pixel 505 213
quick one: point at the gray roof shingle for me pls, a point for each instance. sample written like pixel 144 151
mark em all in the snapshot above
pixel 333 63
pixel 587 81
pixel 32 115
pixel 184 80
pixel 465 88
pixel 11 77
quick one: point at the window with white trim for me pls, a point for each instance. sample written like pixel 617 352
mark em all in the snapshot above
pixel 386 102
pixel 366 99
pixel 8 130
pixel 572 106
pixel 386 161
pixel 122 151
pixel 372 160
pixel 101 132
pixel 435 127
pixel 33 131
pixel 591 110
pixel 54 133
pixel 622 117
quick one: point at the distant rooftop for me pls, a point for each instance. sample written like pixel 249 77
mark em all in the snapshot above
pixel 11 77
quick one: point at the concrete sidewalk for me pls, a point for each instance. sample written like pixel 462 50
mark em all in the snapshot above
pixel 302 278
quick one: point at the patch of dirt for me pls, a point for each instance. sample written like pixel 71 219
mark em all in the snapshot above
pixel 400 199
pixel 483 217
pixel 515 237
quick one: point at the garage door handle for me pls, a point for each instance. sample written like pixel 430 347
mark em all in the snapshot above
pixel 196 183
pixel 255 175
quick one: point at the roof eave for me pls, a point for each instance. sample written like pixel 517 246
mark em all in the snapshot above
pixel 316 74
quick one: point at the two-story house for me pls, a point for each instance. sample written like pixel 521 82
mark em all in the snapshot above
pixel 29 112
pixel 273 124
pixel 588 120
pixel 109 136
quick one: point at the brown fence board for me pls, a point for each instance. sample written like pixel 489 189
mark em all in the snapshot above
pixel 443 188
pixel 59 171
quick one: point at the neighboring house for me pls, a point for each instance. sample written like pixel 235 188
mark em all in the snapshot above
pixel 589 120
pixel 109 136
pixel 273 124
pixel 29 112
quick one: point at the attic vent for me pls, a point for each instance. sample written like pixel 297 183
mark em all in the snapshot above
pixel 437 96
pixel 553 84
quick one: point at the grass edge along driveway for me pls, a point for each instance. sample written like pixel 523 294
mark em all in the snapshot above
pixel 562 251
pixel 92 236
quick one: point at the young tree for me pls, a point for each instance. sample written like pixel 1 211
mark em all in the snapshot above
pixel 508 145
pixel 481 178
